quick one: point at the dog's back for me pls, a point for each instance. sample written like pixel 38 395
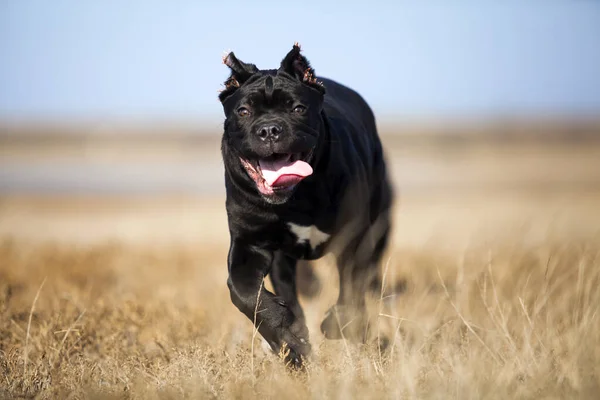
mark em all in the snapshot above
pixel 351 117
pixel 340 99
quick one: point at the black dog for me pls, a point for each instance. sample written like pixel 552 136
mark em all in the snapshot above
pixel 305 174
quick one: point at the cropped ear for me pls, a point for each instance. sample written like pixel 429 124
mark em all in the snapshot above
pixel 296 65
pixel 240 73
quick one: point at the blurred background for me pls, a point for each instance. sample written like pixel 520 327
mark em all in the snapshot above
pixel 114 104
pixel 112 196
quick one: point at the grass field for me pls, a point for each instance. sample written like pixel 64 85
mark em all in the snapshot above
pixel 125 297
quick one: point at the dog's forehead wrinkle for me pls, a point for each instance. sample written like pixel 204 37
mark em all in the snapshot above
pixel 269 89
pixel 270 95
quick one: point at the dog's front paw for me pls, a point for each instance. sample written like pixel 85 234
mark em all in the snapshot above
pixel 345 322
pixel 294 350
pixel 292 343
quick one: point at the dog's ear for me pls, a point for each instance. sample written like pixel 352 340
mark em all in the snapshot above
pixel 240 72
pixel 296 65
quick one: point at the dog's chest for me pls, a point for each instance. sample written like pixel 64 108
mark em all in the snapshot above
pixel 306 241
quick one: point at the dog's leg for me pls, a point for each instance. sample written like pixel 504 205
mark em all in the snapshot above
pixel 272 316
pixel 307 280
pixel 347 319
pixel 283 277
pixel 358 267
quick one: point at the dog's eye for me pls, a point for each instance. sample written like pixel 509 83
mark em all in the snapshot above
pixel 299 109
pixel 243 112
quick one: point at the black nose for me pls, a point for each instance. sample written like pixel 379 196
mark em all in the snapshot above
pixel 269 132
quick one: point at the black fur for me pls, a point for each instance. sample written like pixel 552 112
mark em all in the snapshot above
pixel 348 196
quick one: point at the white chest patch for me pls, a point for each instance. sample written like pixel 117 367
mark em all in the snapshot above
pixel 309 234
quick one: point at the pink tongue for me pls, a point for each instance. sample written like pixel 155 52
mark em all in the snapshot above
pixel 284 172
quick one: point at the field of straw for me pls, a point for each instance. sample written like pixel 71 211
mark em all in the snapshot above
pixel 499 247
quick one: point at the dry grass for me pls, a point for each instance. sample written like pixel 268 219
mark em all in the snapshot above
pixel 127 298
pixel 503 316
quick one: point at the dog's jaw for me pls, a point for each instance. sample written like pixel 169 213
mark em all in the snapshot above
pixel 275 194
pixel 253 171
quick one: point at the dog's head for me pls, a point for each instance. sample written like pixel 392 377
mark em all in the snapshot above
pixel 272 122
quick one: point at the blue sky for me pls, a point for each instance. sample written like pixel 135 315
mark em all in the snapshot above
pixel 162 59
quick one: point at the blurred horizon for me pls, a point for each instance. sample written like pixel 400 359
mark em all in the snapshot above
pixel 153 61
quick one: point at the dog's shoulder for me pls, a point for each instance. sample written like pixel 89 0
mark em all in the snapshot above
pixel 351 123
pixel 342 101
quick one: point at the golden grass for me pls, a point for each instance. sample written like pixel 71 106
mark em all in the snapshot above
pixel 504 318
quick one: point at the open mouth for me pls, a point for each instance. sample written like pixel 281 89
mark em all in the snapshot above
pixel 279 171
